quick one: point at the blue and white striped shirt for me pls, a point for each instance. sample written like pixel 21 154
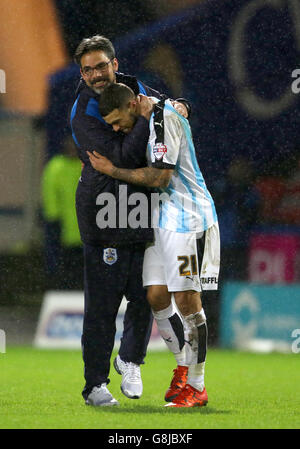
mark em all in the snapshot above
pixel 185 205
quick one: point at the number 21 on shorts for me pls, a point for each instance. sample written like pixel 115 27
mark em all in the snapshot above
pixel 188 265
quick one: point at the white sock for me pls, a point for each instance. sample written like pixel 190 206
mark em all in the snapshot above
pixel 180 357
pixel 196 334
pixel 170 326
pixel 196 376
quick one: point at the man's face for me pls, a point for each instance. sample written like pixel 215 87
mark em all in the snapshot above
pixel 97 70
pixel 123 119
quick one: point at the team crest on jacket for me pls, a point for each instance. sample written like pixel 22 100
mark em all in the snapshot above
pixel 159 150
pixel 110 255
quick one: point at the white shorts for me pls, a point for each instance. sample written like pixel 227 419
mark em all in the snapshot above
pixel 174 260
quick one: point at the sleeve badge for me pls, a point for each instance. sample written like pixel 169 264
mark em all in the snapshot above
pixel 159 150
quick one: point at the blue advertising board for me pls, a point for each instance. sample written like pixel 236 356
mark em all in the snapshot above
pixel 259 316
pixel 61 321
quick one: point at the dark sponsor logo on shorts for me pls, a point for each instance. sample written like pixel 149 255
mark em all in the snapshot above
pixel 209 280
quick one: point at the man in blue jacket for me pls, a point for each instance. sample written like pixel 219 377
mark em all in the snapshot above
pixel 113 252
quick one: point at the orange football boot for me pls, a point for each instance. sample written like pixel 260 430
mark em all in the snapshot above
pixel 190 397
pixel 178 382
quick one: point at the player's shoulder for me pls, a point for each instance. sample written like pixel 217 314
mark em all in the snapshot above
pixel 170 110
pixel 171 116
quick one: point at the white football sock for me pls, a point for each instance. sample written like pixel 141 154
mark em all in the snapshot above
pixel 170 326
pixel 196 335
pixel 196 376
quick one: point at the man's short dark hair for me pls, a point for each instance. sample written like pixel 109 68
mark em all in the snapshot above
pixel 114 96
pixel 94 43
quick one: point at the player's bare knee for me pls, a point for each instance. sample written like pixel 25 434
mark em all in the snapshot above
pixel 158 297
pixel 188 302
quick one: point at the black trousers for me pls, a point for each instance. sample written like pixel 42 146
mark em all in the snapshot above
pixel 104 287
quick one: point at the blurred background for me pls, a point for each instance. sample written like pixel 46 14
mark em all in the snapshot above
pixel 234 62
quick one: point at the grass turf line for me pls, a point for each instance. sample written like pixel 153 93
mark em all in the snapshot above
pixel 41 389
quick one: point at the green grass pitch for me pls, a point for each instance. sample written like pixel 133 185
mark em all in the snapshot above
pixel 41 389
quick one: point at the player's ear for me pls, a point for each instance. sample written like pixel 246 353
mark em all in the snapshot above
pixel 115 64
pixel 132 104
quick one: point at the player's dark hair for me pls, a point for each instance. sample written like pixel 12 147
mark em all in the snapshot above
pixel 94 43
pixel 114 96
